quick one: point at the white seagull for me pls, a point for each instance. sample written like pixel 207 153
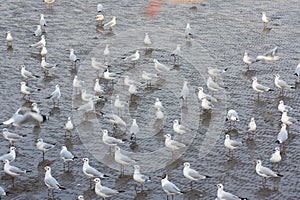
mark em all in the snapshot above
pixel 11 156
pixel 281 83
pixel 231 144
pixel 159 67
pixel 91 172
pixel 109 140
pixel 43 146
pixel 265 172
pixel 222 195
pixel 11 137
pixel 55 95
pixel 147 41
pixel 122 159
pixel 12 171
pixel 282 107
pixel 111 23
pixel 172 144
pixel 66 155
pixel 192 174
pixel 9 39
pixel 258 87
pixel 103 191
pixel 249 60
pixel 169 187
pixel 139 177
pixel 51 182
pixel 213 86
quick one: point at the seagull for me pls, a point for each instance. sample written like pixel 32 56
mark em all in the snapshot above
pixel 77 84
pixel 99 8
pixel 98 65
pixel 249 60
pixel 134 57
pixel 66 155
pixel 106 51
pixel 26 91
pixel 73 57
pixel 42 21
pixel 9 39
pixel 265 19
pixel 178 128
pixel 176 52
pixel 169 187
pixel 98 88
pixel 103 191
pixel 110 141
pixel 184 91
pixel 214 72
pixel 188 31
pixel 231 144
pixel 233 116
pixel 134 129
pixel 49 2
pixel 213 86
pixel 158 104
pixel 55 95
pixel 86 108
pixel 18 115
pixel 111 23
pixel 192 174
pixel 258 87
pixel 44 51
pixel 43 146
pixel 11 156
pixel 286 119
pixel 222 195
pixel 276 157
pixel 40 43
pixel 51 182
pixel 205 104
pixel 122 159
pixel 35 108
pixel 159 67
pixel 132 89
pixel 109 75
pixel 118 104
pixel 91 172
pixel 38 31
pixel 281 83
pixel 202 95
pixel 12 171
pixel 282 135
pixel 265 172
pixel 129 82
pixel 297 70
pixel 159 114
pixel 69 126
pixel 282 107
pixel 140 178
pixel 172 144
pixel 88 97
pixel 115 120
pixel 47 66
pixel 147 41
pixel 269 55
pixel 252 125
pixel 11 137
pixel 148 77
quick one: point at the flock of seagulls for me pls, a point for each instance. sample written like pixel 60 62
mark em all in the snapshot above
pixel 32 115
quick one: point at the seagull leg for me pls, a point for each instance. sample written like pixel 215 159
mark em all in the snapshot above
pixel 191 184
pixel 43 155
pixel 13 181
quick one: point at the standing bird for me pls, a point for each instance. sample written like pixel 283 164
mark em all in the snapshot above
pixel 172 144
pixel 140 178
pixel 282 135
pixel 111 23
pixel 106 52
pixel 119 105
pixel 73 57
pixel 47 66
pixel 11 156
pixel 192 174
pixel 99 8
pixel 91 172
pixel 38 31
pixel 212 85
pixel 69 127
pixel 206 105
pixel 103 191
pixel 9 39
pixel 159 67
pixel 44 51
pixel 188 31
pixel 214 72
pixel 43 146
pixel 147 41
pixel 148 77
pixel 11 137
pixel 231 144
pixel 184 92
pixel 51 182
pixel 297 70
pixel 249 60
pixel 176 52
pixel 265 19
pixel 282 107
pixel 77 84
pixel 222 195
pixel 27 91
pixel 158 104
pixel 169 187
pixel 233 116
pixel 110 141
pixel 43 22
pixel 159 114
pixel 281 83
pixel 258 87
pixel 276 157
pixel 265 172
pixel 122 159
pixel 178 128
pixel 252 126
pixel 66 156
pixel 55 95
pixel 134 57
pixel 40 43
pixel 12 171
pixel 134 129
pixel 201 95
pixel 99 90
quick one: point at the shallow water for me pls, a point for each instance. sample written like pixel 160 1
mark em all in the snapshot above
pixel 223 31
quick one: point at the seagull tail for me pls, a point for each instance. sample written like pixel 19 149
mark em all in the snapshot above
pixel 279 175
pixel 62 188
pixel 277 141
